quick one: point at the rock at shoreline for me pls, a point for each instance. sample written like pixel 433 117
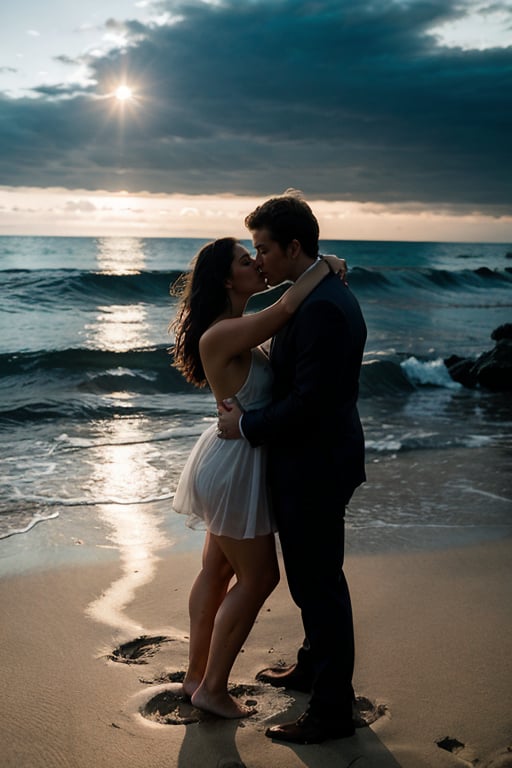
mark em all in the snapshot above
pixel 492 369
pixel 461 370
pixel 502 332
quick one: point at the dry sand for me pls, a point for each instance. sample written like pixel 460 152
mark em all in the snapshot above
pixel 433 647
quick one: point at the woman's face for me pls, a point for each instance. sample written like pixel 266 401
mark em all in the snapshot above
pixel 245 277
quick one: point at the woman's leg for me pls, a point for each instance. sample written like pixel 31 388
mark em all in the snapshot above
pixel 207 593
pixel 255 565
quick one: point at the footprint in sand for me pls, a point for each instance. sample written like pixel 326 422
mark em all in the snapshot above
pixel 167 704
pixel 171 707
pixel 138 651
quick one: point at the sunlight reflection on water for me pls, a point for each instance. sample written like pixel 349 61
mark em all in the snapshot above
pixel 121 255
pixel 126 472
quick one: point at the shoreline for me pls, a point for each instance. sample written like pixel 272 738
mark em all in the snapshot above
pixel 412 501
pixel 433 644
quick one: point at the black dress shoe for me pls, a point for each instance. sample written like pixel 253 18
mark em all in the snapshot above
pixel 285 677
pixel 310 729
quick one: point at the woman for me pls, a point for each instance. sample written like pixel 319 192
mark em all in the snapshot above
pixel 223 483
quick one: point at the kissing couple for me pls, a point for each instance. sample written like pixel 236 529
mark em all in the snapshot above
pixel 285 455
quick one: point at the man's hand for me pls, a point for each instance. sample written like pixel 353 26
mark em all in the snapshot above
pixel 228 422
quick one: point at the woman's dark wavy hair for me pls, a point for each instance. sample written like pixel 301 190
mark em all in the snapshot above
pixel 203 297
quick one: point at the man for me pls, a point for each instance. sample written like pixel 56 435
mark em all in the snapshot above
pixel 315 449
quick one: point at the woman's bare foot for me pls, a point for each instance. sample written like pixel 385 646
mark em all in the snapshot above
pixel 222 705
pixel 190 687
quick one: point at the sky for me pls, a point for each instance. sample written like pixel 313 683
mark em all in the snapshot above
pixel 176 118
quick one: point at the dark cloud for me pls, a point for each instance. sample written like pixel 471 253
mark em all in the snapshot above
pixel 345 100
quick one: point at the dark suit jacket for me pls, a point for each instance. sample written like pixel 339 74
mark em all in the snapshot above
pixel 312 429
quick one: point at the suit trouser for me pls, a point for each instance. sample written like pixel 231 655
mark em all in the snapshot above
pixel 312 540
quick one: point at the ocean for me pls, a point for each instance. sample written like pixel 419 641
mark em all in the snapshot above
pixel 95 423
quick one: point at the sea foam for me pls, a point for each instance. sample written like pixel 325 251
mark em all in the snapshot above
pixel 432 373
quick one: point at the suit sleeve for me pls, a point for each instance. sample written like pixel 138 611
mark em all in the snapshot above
pixel 320 339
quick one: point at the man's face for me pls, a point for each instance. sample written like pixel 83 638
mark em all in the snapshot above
pixel 271 258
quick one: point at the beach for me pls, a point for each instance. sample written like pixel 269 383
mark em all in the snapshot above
pixel 434 657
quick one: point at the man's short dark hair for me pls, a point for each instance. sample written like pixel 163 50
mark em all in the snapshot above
pixel 287 217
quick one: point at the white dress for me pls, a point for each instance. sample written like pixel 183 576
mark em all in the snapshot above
pixel 223 485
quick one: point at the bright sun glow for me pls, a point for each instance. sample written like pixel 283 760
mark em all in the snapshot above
pixel 123 93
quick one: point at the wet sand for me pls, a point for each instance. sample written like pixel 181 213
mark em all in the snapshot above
pixel 82 689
